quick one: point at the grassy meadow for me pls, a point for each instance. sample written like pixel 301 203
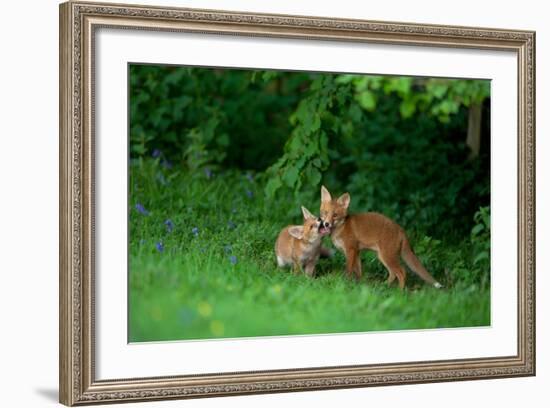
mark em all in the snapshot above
pixel 202 265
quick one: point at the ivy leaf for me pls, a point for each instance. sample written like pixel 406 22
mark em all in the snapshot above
pixel 407 108
pixel 138 149
pixel 477 229
pixel 272 186
pixel 345 79
pixel 367 100
pixel 438 89
pixel 402 85
pixel 362 84
pixel 311 149
pixel 290 176
pixel 481 256
pixel 313 176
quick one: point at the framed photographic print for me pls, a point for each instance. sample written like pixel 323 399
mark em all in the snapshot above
pixel 256 203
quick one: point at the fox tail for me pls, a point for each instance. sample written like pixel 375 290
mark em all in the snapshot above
pixel 413 262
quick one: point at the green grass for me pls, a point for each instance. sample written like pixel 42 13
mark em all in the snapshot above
pixel 216 274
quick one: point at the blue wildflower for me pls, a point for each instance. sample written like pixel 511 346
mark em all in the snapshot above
pixel 208 173
pixel 169 225
pixel 160 246
pixel 233 259
pixel 195 231
pixel 249 177
pixel 156 153
pixel 231 225
pixel 141 209
pixel 249 194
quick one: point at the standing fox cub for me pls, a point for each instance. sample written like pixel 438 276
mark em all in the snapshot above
pixel 356 232
pixel 300 245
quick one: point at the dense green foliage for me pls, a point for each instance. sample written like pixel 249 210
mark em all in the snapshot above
pixel 221 160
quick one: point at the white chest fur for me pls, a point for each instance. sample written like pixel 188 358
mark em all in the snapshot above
pixel 337 240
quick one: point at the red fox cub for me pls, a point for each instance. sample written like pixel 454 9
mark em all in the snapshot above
pixel 300 245
pixel 356 232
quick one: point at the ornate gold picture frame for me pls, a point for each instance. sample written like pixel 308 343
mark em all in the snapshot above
pixel 78 24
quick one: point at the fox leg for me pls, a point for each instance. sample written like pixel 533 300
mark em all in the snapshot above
pixel 394 268
pixel 351 261
pixel 401 277
pixel 310 269
pixel 357 268
pixel 296 268
pixel 391 277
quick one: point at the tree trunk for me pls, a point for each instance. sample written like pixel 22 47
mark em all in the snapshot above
pixel 473 140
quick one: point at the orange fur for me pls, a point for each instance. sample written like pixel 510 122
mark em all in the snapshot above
pixel 300 245
pixel 373 231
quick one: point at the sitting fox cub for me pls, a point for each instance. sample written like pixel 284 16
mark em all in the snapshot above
pixel 300 245
pixel 353 233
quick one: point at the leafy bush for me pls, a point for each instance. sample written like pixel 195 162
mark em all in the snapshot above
pixel 481 246
pixel 204 116
pixel 397 144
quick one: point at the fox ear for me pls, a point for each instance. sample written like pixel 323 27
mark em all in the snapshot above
pixel 325 195
pixel 344 200
pixel 296 231
pixel 307 214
